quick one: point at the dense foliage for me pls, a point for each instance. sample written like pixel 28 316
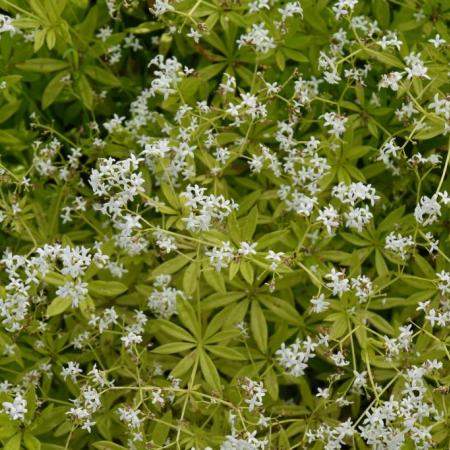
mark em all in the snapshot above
pixel 224 224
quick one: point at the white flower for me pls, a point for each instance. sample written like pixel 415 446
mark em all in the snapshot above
pixel 399 244
pixel 437 41
pixel 131 338
pixel 258 5
pixel 160 7
pixel 353 193
pixel 343 7
pixel 360 380
pixel 259 37
pixel 157 398
pixel 441 106
pixel 324 393
pixel 104 33
pixel 339 359
pixel 390 80
pixel 130 417
pixel 163 300
pixel 319 304
pixel 363 287
pixel 164 241
pixel 16 409
pixel 276 259
pixel 357 218
pixel 406 111
pixel 255 390
pixel 428 210
pixel 416 67
pixel 75 291
pixel 290 9
pixel 247 248
pixel 335 122
pixel 204 209
pixel 329 217
pixel 220 257
pixel 390 40
pixel 71 371
pixel 6 24
pixel 294 358
pixel 195 35
pixel 168 74
pixel 444 282
pixel 338 283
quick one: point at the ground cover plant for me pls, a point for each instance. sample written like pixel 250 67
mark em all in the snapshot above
pixel 224 224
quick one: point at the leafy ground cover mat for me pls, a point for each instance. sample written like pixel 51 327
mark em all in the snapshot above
pixel 224 224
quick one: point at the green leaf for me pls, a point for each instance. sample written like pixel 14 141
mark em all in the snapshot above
pixel 295 55
pixel 174 330
pixel 172 265
pixel 8 138
pixel 50 38
pixel 102 76
pixel 188 317
pixel 424 266
pixel 87 27
pixel 233 270
pixel 280 60
pixel 271 384
pixel 170 195
pixel 247 271
pixel 162 428
pixel 431 131
pixel 211 70
pixel 145 27
pixel 86 94
pixel 106 288
pixel 339 327
pixel 214 279
pixel 39 39
pixel 30 398
pixel 55 279
pixel 382 12
pixel 234 229
pixel 184 364
pixel 58 306
pixel 380 323
pixel 43 65
pixel 385 58
pixel 14 442
pixel 271 238
pixel 31 442
pixel 282 309
pixel 222 336
pixel 380 264
pixel 248 224
pixel 53 89
pixel 190 278
pixel 8 110
pixel 221 299
pixel 226 352
pixel 209 371
pixel 173 347
pixel 46 446
pixel 49 419
pixel 354 239
pixel 107 445
pixel 391 219
pixel 258 326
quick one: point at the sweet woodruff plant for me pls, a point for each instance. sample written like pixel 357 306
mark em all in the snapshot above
pixel 224 224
